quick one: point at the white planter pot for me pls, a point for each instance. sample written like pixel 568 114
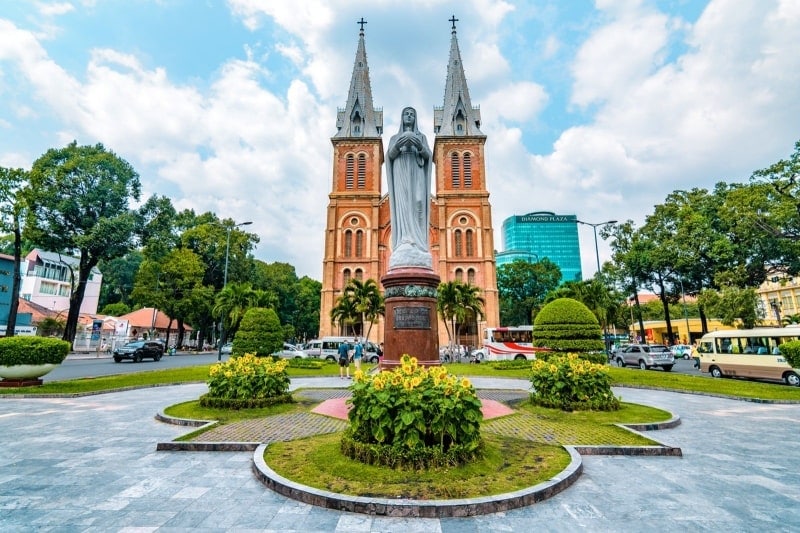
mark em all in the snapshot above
pixel 25 371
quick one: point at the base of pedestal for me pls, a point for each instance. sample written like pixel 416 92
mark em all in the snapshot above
pixel 412 325
pixel 30 382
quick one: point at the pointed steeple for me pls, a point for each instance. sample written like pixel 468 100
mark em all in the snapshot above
pixel 359 118
pixel 456 117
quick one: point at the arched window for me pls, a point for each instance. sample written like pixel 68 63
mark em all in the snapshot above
pixel 455 168
pixel 359 243
pixel 457 244
pixel 459 275
pixel 470 243
pixel 345 277
pixel 471 276
pixel 359 274
pixel 348 243
pixel 348 176
pixel 362 171
pixel 467 171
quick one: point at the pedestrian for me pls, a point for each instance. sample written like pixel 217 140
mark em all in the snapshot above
pixel 358 351
pixel 344 361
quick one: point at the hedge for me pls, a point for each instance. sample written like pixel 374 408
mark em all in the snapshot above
pixel 32 351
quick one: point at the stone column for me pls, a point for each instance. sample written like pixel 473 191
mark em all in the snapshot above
pixel 412 325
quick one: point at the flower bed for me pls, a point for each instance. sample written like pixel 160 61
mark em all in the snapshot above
pixel 570 383
pixel 247 382
pixel 413 417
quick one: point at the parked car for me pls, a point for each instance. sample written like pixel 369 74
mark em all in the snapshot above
pixel 681 351
pixel 138 350
pixel 226 349
pixel 645 356
pixel 290 351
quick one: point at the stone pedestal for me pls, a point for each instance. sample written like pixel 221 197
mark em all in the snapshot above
pixel 412 325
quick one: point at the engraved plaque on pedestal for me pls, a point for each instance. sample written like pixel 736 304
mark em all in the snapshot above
pixel 412 318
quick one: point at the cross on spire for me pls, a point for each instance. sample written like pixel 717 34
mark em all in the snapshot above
pixel 453 19
pixel 362 22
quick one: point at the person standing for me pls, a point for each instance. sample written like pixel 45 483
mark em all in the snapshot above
pixel 344 361
pixel 358 351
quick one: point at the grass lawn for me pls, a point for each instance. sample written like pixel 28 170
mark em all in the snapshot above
pixel 510 464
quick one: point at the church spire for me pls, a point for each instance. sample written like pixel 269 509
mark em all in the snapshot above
pixel 456 117
pixel 359 118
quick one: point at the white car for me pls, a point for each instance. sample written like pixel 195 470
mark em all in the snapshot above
pixel 290 351
pixel 683 351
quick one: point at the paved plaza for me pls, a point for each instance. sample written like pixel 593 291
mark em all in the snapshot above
pixel 90 464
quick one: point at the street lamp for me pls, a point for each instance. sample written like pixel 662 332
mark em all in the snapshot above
pixel 597 256
pixel 228 228
pixel 685 315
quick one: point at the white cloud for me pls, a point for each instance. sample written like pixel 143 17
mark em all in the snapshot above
pixel 54 9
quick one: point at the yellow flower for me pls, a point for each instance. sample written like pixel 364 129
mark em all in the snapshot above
pixel 465 382
pixel 416 381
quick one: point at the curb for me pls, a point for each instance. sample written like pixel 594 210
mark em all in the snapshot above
pixel 403 507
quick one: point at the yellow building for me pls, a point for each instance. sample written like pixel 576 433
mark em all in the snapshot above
pixel 687 329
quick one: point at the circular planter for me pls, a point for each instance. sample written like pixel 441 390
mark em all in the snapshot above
pixel 25 372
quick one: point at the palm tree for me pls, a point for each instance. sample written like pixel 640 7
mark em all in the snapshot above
pixel 231 304
pixel 345 313
pixel 456 302
pixel 446 305
pixel 470 302
pixel 367 300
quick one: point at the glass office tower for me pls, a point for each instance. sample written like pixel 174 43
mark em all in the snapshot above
pixel 535 236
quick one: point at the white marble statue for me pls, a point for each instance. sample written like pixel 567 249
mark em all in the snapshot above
pixel 408 174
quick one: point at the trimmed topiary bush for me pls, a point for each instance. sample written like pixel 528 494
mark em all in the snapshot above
pixel 413 417
pixel 567 325
pixel 570 383
pixel 260 333
pixel 791 351
pixel 32 351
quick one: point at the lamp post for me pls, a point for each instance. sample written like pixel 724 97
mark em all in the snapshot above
pixel 228 228
pixel 597 256
pixel 685 315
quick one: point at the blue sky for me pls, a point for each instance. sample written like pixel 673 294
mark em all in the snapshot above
pixel 598 109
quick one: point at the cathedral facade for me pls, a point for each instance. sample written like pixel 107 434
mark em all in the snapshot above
pixel 358 229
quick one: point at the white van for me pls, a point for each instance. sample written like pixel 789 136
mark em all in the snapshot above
pixel 328 348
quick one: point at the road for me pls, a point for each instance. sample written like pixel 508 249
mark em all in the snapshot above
pixel 81 366
pixel 87 365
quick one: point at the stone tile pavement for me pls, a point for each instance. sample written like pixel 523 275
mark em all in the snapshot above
pixel 89 464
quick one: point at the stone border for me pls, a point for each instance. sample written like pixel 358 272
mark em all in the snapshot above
pixel 403 507
pixel 199 446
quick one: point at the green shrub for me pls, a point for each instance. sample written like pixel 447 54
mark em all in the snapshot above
pixel 211 402
pixel 32 351
pixel 599 358
pixel 791 351
pixel 314 364
pixel 413 417
pixel 260 333
pixel 567 325
pixel 514 364
pixel 570 383
pixel 248 377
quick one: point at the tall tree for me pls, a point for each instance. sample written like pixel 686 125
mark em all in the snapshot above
pixel 522 287
pixel 12 206
pixel 458 302
pixel 78 199
pixel 367 301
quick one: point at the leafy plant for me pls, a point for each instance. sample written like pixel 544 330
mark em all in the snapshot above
pixel 567 325
pixel 248 377
pixel 260 333
pixel 32 351
pixel 791 351
pixel 570 383
pixel 413 416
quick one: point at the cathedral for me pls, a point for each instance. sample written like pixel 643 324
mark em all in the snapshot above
pixel 358 229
